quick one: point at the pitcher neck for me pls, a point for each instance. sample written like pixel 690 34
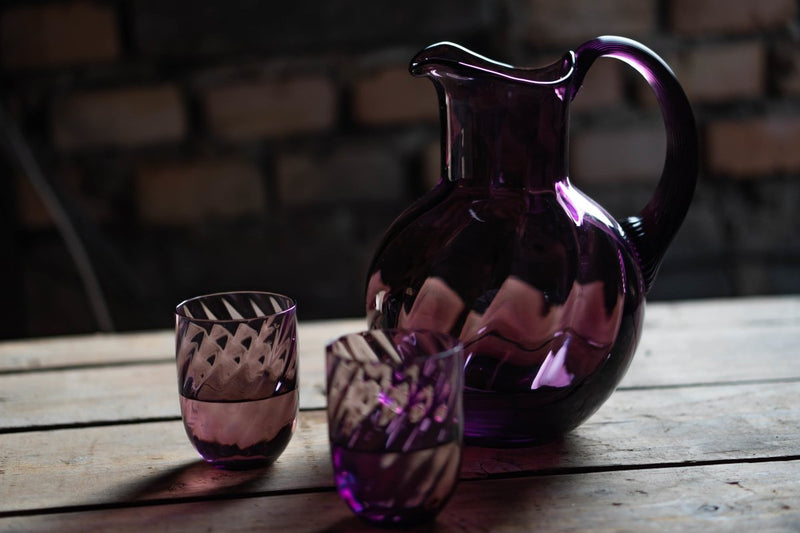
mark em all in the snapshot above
pixel 501 125
pixel 504 136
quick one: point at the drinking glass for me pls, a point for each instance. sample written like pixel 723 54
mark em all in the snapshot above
pixel 395 422
pixel 236 354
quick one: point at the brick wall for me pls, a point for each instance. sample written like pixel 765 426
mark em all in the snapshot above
pixel 222 145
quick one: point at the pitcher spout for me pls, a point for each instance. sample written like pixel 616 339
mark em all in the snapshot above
pixel 446 58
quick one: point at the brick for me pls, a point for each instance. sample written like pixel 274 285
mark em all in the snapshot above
pixel 252 110
pixel 602 87
pixel 394 96
pixel 350 174
pixel 128 117
pixel 703 233
pixel 754 147
pixel 786 74
pixel 58 35
pixel 186 192
pixel 760 219
pixel 55 301
pixel 675 281
pixel 72 181
pixel 178 28
pixel 761 216
pixel 697 17
pixel 620 155
pixel 570 22
pixel 31 211
pixel 721 73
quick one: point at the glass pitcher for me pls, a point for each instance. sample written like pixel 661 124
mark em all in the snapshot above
pixel 545 289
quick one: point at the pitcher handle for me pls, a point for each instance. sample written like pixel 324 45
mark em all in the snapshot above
pixel 652 230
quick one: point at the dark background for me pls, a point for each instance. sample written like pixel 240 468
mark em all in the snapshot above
pixel 206 146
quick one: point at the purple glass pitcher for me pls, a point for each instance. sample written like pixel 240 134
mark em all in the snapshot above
pixel 545 289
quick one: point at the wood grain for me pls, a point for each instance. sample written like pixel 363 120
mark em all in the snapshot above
pixel 696 355
pixel 81 350
pixel 106 395
pixel 669 355
pixel 704 434
pixel 669 326
pixel 125 392
pixel 154 461
pixel 724 313
pixel 131 348
pixel 725 497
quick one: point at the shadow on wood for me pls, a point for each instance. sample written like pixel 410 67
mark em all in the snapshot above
pixel 195 480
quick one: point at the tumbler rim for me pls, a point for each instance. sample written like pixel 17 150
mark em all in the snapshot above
pixel 292 307
pixel 456 347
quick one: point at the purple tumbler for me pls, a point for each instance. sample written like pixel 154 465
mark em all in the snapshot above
pixel 395 422
pixel 237 375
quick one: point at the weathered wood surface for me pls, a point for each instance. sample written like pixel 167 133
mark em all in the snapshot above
pixel 718 341
pixel 132 348
pixel 154 461
pixel 78 389
pixel 95 395
pixel 686 330
pixel 703 434
pixel 693 350
pixel 725 497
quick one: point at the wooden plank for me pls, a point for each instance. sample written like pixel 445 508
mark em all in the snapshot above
pixel 665 426
pixel 726 497
pixel 137 462
pixel 662 321
pixel 136 392
pixel 706 341
pixel 154 461
pixel 88 396
pixel 127 348
pixel 744 352
pixel 79 350
pixel 132 391
pixel 107 394
pixel 723 312
pixel 718 341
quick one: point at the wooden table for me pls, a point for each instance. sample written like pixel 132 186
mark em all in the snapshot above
pixel 703 434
